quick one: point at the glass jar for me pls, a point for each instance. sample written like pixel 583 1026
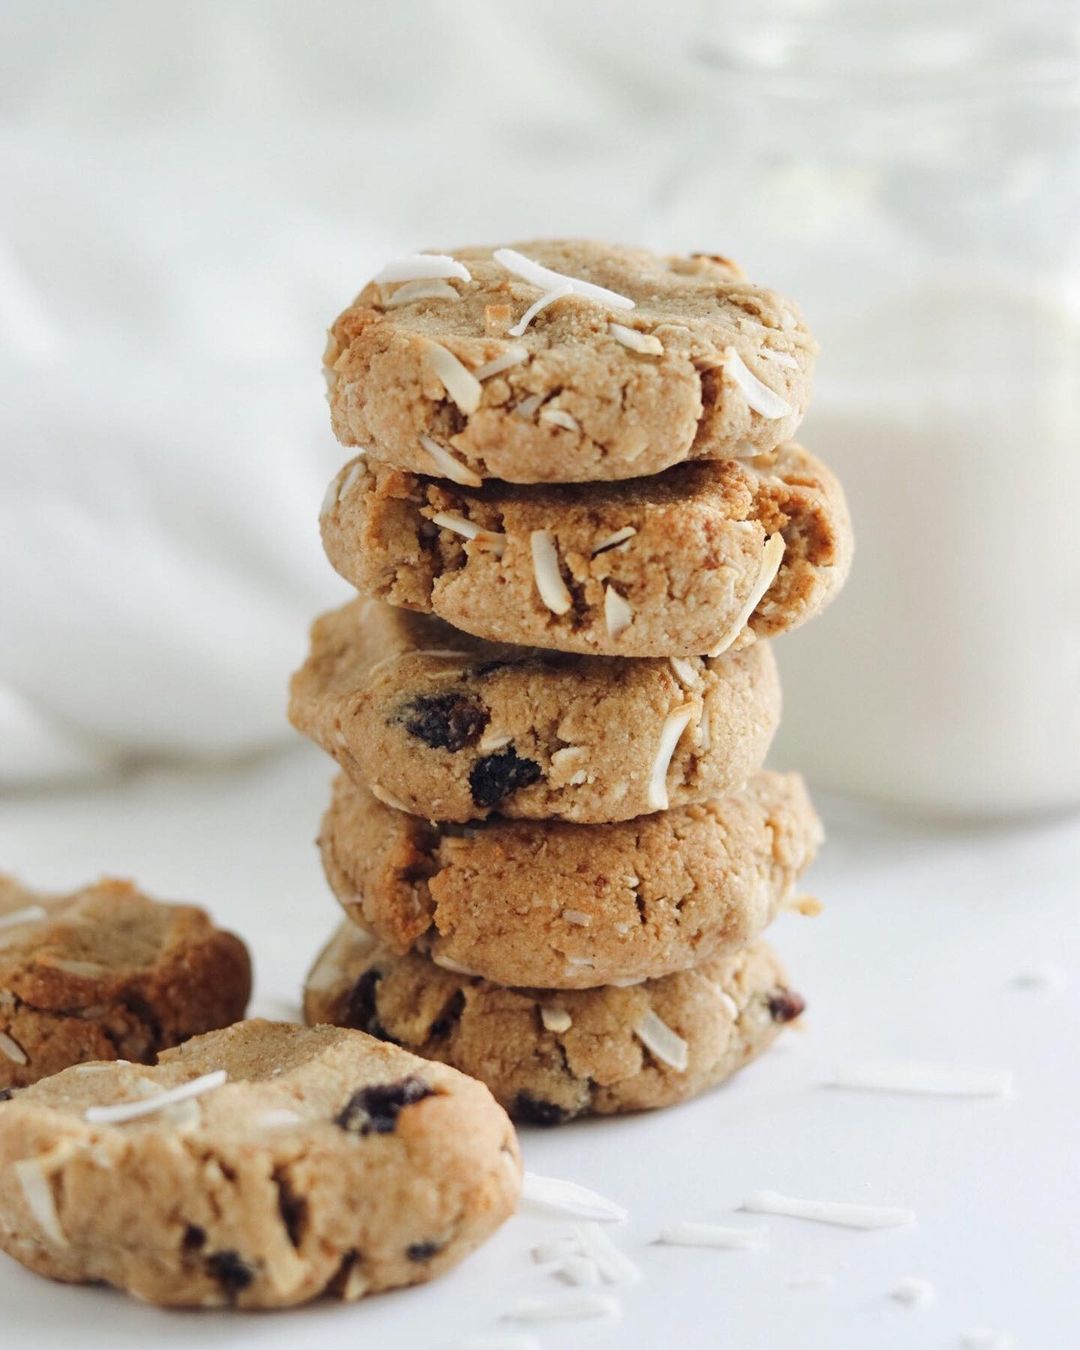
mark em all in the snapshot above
pixel 911 174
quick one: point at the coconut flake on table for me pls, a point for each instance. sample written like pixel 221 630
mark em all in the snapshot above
pixel 772 555
pixel 724 1237
pixel 422 267
pixel 577 1269
pixel 932 1079
pixel 549 582
pixel 618 612
pixel 614 540
pixel 914 1291
pixel 759 397
pixel 645 344
pixel 615 1266
pixel 548 298
pixel 564 1307
pixel 662 1043
pixel 448 465
pixel 512 355
pixel 456 378
pixel 119 1112
pixel 674 725
pixel 559 417
pixel 11 1048
pixel 1048 976
pixel 546 1252
pixel 538 275
pixel 836 1212
pixel 554 1195
pixel 414 291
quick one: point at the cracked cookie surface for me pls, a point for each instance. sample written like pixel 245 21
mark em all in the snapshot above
pixel 106 973
pixel 569 400
pixel 681 564
pixel 547 1055
pixel 567 906
pixel 326 1163
pixel 440 722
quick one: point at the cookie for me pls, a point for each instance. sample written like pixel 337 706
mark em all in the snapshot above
pixel 700 559
pixel 436 376
pixel 549 1056
pixel 106 973
pixel 450 727
pixel 566 906
pixel 312 1162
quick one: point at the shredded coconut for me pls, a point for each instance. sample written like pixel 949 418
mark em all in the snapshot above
pixel 559 417
pixel 553 1195
pixel 828 1211
pixel 808 905
pixel 771 557
pixel 278 1118
pixel 663 1043
pixel 684 671
pixel 493 741
pixel 90 970
pixel 675 724
pixel 914 1291
pixel 457 379
pixel 562 1307
pixel 644 343
pixel 470 530
pixel 628 982
pixel 579 1270
pixel 544 1252
pixel 414 291
pixel 690 1234
pixel 422 267
pixel 29 914
pixel 728 1003
pixel 513 355
pixel 556 1019
pixel 447 464
pixel 387 798
pixel 33 1177
pixel 614 1265
pixel 549 298
pixel 120 1112
pixel 340 486
pixel 759 397
pixel 448 963
pixel 941 1079
pixel 614 540
pixel 538 275
pixel 618 614
pixel 779 358
pixel 12 1049
pixel 528 406
pixel 549 582
pixel 577 916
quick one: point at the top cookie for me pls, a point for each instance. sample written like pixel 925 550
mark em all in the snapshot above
pixel 636 362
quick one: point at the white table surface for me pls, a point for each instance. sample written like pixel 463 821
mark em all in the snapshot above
pixel 915 957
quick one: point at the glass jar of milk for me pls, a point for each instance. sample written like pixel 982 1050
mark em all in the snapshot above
pixel 911 174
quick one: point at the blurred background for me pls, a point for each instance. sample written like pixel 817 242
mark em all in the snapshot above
pixel 192 192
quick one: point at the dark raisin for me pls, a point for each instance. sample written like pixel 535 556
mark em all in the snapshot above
pixel 194 1237
pixel 786 1006
pixel 447 721
pixel 375 1109
pixel 230 1270
pixel 535 1111
pixel 423 1251
pixel 495 776
pixel 448 1018
pixel 6 1094
pixel 292 1208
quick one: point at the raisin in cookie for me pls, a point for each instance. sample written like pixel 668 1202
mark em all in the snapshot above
pixel 450 727
pixel 672 358
pixel 700 559
pixel 258 1166
pixel 106 973
pixel 566 906
pixel 549 1056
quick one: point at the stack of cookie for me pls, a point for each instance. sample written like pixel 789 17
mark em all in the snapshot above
pixel 578 514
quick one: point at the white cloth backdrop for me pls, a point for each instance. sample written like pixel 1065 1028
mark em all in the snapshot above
pixel 190 192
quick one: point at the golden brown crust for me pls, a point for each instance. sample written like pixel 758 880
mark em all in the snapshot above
pixel 685 573
pixel 567 906
pixel 619 413
pixel 384 693
pixel 727 1009
pixel 106 973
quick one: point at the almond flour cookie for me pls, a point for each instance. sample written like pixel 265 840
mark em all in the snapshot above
pixel 700 559
pixel 628 363
pixel 105 973
pixel 566 906
pixel 258 1167
pixel 549 1056
pixel 449 727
